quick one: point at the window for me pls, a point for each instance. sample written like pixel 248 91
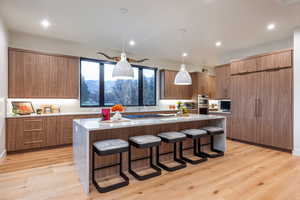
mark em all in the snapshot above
pixel 125 92
pixel 90 81
pixel 149 90
pixel 98 88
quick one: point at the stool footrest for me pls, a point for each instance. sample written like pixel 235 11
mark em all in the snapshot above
pixel 112 187
pixel 217 153
pixel 147 176
pixel 201 155
pixel 181 165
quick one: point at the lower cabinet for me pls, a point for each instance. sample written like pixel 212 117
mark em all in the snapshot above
pixel 36 132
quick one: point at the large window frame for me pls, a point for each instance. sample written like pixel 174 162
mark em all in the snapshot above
pixel 102 83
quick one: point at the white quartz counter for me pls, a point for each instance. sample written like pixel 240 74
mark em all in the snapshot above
pixel 139 110
pixel 96 124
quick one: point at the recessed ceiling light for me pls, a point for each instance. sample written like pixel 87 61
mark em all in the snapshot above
pixel 45 23
pixel 131 42
pixel 184 54
pixel 271 27
pixel 219 43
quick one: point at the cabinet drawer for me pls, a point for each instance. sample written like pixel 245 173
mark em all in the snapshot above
pixel 33 125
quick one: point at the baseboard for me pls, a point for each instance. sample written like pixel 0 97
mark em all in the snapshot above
pixel 3 154
pixel 296 152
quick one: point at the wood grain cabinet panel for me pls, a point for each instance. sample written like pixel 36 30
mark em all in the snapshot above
pixel 284 59
pixel 204 84
pixel 16 74
pixel 38 75
pixel 168 90
pixel 65 129
pixel 52 135
pixel 222 90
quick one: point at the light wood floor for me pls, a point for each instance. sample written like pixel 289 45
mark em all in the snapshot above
pixel 246 172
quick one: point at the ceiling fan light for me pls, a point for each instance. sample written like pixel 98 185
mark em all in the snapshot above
pixel 123 69
pixel 183 77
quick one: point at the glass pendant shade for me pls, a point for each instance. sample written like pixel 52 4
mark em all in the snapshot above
pixel 123 69
pixel 183 77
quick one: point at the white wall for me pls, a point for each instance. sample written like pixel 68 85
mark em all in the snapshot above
pixel 297 92
pixel 251 51
pixel 3 86
pixel 38 43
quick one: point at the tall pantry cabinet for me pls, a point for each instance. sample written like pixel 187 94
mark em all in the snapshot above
pixel 262 102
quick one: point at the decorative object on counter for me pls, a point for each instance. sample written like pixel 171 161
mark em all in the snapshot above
pixel 106 114
pixel 118 58
pixel 39 111
pixel 47 110
pixel 172 107
pixel 117 109
pixel 190 105
pixel 22 108
pixel 179 104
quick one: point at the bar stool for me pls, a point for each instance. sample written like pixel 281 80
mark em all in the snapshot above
pixel 109 147
pixel 213 131
pixel 143 142
pixel 195 135
pixel 171 137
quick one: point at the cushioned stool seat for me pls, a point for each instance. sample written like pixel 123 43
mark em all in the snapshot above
pixel 172 136
pixel 194 133
pixel 142 142
pixel 113 146
pixel 145 141
pixel 213 130
pixel 110 147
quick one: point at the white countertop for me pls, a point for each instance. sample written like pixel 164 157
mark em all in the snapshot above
pixel 219 112
pixel 141 110
pixel 94 124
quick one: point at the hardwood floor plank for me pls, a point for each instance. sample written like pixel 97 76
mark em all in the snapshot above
pixel 246 172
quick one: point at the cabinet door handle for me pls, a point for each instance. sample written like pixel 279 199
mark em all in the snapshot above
pixel 255 109
pixel 259 108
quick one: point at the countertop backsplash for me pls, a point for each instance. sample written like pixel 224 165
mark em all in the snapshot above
pixel 73 105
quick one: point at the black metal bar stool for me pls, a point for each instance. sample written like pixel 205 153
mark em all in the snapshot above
pixel 109 147
pixel 213 131
pixel 195 135
pixel 171 137
pixel 143 142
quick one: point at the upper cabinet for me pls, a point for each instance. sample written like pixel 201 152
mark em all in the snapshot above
pixel 168 90
pixel 38 75
pixel 222 81
pixel 204 84
pixel 274 60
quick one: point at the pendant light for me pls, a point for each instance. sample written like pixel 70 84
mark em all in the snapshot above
pixel 183 77
pixel 123 69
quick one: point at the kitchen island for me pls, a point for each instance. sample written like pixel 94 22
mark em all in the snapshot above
pixel 88 131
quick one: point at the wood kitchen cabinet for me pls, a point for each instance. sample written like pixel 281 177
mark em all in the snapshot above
pixel 204 84
pixel 243 66
pixel 222 90
pixel 276 60
pixel 35 132
pixel 38 75
pixel 168 90
pixel 261 108
pixel 25 133
pixel 268 61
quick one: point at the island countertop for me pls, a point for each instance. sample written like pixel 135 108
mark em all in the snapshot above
pixel 94 124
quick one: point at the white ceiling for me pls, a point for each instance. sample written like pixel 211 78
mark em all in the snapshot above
pixel 154 25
